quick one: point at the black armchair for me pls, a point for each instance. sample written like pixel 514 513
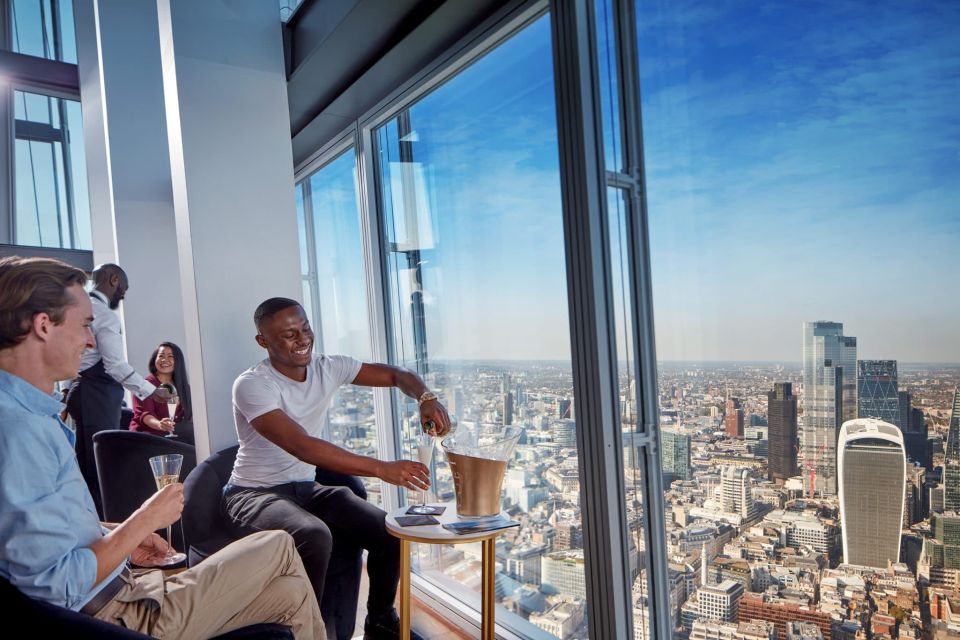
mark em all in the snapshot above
pixel 124 470
pixel 206 531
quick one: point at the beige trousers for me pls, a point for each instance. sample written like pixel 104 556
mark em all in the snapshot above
pixel 257 579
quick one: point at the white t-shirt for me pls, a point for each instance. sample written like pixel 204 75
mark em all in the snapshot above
pixel 261 389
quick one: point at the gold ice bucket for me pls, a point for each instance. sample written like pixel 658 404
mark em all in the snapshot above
pixel 478 455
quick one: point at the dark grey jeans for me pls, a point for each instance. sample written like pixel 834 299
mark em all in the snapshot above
pixel 324 520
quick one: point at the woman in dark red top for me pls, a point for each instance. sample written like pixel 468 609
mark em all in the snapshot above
pixel 166 366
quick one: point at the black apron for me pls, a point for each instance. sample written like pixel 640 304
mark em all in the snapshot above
pixel 94 402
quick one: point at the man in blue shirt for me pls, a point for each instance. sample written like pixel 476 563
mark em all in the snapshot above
pixel 52 546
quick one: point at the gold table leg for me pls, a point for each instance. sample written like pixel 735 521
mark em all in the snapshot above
pixel 404 589
pixel 487 594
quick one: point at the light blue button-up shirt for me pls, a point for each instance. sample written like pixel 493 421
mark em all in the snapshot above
pixel 47 517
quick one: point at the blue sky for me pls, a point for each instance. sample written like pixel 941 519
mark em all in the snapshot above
pixel 802 163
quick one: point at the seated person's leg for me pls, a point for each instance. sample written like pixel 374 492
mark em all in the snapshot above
pixel 248 511
pixel 364 523
pixel 257 579
pixel 342 590
pixel 336 479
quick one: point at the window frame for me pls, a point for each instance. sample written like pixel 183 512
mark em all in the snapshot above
pixel 30 74
pixel 609 600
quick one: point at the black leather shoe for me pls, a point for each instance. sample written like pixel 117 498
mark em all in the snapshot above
pixel 386 627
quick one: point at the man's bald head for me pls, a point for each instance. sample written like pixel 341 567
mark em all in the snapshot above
pixel 111 280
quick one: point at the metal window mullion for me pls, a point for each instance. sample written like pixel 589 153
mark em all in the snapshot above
pixel 6 138
pixel 378 314
pixel 645 361
pixel 592 332
pixel 313 275
pixel 68 175
pixel 7 202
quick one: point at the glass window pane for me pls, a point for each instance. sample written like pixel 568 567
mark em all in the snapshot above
pixel 44 28
pixel 469 184
pixel 609 85
pixel 52 204
pixel 802 181
pixel 339 248
pixel 329 224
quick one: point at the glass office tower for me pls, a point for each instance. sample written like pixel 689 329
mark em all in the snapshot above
pixel 872 476
pixel 830 398
pixel 675 456
pixel 877 395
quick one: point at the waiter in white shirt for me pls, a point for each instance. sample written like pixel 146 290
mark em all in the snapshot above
pixel 95 397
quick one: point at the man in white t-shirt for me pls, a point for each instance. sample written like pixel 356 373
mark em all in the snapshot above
pixel 279 407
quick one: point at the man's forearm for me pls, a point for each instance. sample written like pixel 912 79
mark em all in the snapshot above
pixel 328 456
pixel 119 543
pixel 410 384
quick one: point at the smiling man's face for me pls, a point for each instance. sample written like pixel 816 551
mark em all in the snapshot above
pixel 288 339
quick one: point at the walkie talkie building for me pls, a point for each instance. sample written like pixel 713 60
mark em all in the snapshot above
pixel 872 475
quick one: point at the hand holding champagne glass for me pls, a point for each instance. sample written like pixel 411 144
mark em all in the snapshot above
pixel 166 471
pixel 172 403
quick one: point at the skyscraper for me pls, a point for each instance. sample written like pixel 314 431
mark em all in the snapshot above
pixel 877 395
pixel 675 456
pixel 782 432
pixel 872 476
pixel 507 408
pixel 951 459
pixel 733 419
pixel 829 399
pixel 915 431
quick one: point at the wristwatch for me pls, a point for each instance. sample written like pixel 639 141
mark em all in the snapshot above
pixel 426 397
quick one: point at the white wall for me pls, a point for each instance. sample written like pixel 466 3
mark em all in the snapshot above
pixel 231 159
pixel 129 166
pixel 191 179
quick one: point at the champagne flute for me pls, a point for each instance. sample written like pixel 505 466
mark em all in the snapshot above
pixel 172 403
pixel 425 448
pixel 172 410
pixel 166 471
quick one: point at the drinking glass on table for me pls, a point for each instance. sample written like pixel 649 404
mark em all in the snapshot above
pixel 166 471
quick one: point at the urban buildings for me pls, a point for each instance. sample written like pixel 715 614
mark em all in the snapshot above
pixel 872 476
pixel 830 398
pixel 563 570
pixel 761 606
pixel 733 418
pixel 940 557
pixel 782 432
